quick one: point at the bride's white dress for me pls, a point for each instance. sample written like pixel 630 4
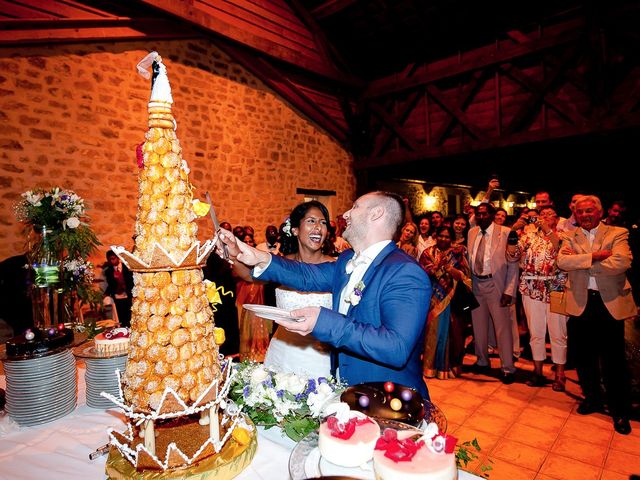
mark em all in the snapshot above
pixel 294 353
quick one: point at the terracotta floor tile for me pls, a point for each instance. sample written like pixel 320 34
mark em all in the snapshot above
pixel 609 475
pixel 466 401
pixel 511 397
pixel 494 407
pixel 627 443
pixel 542 476
pixel 553 407
pixel 452 427
pixel 519 454
pixel 586 452
pixel 488 423
pixel 569 468
pixel 476 465
pixel 486 440
pixel 622 462
pixel 534 418
pixel 480 389
pixel 577 427
pixel 535 437
pixel 455 413
pixel 502 470
pixel 598 419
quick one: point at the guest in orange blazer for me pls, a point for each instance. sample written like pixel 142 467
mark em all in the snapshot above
pixel 598 296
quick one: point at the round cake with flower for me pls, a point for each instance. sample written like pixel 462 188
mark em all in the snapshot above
pixel 409 455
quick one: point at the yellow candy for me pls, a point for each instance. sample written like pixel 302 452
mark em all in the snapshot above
pixel 218 334
pixel 241 435
pixel 200 208
pixel 395 404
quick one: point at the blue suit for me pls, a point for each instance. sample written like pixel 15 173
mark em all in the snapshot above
pixel 381 338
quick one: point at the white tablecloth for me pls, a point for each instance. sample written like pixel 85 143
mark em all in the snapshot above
pixel 60 449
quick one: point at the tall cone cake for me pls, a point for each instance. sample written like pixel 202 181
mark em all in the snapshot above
pixel 175 384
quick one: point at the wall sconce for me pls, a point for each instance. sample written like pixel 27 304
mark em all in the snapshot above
pixel 510 204
pixel 531 205
pixel 430 202
pixel 474 203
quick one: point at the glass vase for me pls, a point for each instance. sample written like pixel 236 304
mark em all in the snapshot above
pixel 45 293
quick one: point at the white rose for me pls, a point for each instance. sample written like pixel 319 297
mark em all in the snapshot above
pixel 296 385
pixel 259 375
pixel 73 222
pixel 281 380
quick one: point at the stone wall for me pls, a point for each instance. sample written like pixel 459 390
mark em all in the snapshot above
pixel 72 116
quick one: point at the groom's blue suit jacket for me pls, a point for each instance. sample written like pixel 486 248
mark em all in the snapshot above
pixel 380 339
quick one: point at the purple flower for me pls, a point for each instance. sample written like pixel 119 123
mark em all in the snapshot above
pixel 280 393
pixel 311 387
pixel 322 380
pixel 245 391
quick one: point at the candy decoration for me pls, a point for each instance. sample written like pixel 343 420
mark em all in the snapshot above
pixel 364 401
pixel 29 335
pixel 389 387
pixel 51 332
pixel 395 404
pixel 406 395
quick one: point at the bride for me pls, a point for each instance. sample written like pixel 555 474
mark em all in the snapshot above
pixel 303 237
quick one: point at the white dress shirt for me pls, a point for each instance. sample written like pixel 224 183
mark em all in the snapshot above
pixel 486 262
pixel 368 255
pixel 591 235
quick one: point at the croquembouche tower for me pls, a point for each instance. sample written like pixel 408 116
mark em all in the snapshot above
pixel 175 385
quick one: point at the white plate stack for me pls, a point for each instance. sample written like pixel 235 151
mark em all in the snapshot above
pixel 41 390
pixel 101 377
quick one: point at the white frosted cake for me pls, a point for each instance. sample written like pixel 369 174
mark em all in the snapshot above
pixel 112 341
pixel 398 456
pixel 347 438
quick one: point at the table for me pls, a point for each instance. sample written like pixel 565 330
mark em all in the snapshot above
pixel 60 449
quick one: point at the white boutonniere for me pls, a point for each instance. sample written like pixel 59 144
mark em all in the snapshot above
pixel 356 294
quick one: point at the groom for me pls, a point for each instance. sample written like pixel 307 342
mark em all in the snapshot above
pixel 380 296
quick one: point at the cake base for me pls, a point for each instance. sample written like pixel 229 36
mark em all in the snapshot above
pixel 227 464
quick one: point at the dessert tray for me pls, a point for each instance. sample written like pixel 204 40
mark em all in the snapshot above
pixel 88 350
pixel 271 313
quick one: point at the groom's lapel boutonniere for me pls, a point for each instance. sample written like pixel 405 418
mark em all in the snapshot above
pixel 356 294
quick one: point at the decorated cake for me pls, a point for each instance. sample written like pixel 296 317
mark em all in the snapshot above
pixel 347 437
pixel 387 400
pixel 35 342
pixel 174 389
pixel 410 455
pixel 112 341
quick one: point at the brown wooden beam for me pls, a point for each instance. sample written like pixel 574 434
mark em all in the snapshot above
pixel 527 109
pixel 467 94
pixel 564 108
pixel 283 87
pixel 473 60
pixel 614 122
pixel 185 10
pixel 331 7
pixel 394 127
pixel 461 117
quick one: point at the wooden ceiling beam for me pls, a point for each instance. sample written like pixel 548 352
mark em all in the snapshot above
pixel 473 60
pixel 331 7
pixel 564 108
pixel 185 10
pixel 283 87
pixel 614 122
pixel 527 109
pixel 467 94
pixel 454 110
pixel 394 127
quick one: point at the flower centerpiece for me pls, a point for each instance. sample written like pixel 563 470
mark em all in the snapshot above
pixel 287 400
pixel 59 242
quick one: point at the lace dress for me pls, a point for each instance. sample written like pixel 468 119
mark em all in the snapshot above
pixel 294 353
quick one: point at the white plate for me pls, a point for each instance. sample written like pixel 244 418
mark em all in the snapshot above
pixel 271 313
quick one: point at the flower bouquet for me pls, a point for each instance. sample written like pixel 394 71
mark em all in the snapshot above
pixel 59 242
pixel 287 400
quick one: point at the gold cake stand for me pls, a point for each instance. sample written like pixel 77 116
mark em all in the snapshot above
pixel 227 464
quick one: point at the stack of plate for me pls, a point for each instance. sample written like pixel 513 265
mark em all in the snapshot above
pixel 101 377
pixel 41 390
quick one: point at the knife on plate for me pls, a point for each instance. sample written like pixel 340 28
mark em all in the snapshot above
pixel 216 226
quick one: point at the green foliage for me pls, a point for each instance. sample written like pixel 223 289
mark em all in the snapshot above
pixel 467 452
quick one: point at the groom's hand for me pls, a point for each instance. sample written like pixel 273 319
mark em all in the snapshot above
pixel 305 326
pixel 244 253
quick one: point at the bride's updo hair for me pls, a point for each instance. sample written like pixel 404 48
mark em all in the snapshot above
pixel 288 241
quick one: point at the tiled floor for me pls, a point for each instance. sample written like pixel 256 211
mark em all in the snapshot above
pixel 534 433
